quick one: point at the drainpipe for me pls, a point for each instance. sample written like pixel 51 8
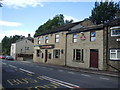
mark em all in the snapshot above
pixel 107 52
pixel 66 50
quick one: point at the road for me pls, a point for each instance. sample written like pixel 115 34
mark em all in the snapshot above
pixel 28 75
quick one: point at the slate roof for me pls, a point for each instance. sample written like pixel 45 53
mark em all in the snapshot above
pixel 85 29
pixel 65 27
pixel 113 22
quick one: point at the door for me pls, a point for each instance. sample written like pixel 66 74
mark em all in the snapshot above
pixel 46 55
pixel 94 58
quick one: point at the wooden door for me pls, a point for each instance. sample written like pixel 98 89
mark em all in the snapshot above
pixel 46 55
pixel 94 58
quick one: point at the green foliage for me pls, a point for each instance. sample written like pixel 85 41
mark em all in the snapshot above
pixel 104 12
pixel 6 43
pixel 58 20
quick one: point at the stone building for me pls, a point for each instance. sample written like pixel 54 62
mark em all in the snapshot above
pixel 82 45
pixel 85 47
pixel 50 46
pixel 23 48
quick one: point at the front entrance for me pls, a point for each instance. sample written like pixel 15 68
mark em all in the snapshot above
pixel 46 55
pixel 94 58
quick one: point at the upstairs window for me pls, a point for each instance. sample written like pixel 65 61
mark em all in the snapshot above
pixel 92 36
pixel 39 40
pixel 46 39
pixel 57 38
pixel 115 54
pixel 75 38
pixel 115 31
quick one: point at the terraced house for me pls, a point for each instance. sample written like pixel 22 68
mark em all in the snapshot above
pixel 50 47
pixel 95 46
pixel 81 45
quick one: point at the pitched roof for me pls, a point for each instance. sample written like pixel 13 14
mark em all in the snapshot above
pixel 85 29
pixel 64 27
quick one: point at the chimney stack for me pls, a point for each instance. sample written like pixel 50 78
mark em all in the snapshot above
pixel 28 35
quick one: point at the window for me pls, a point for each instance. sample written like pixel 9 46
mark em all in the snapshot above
pixel 46 39
pixel 50 55
pixel 78 55
pixel 56 53
pixel 39 40
pixel 42 55
pixel 27 48
pixel 115 54
pixel 115 32
pixel 75 37
pixel 38 53
pixel 92 36
pixel 57 38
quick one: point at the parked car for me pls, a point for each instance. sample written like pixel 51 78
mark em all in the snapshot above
pixel 2 57
pixel 9 58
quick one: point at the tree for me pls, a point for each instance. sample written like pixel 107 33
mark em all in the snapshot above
pixel 58 20
pixel 104 12
pixel 6 43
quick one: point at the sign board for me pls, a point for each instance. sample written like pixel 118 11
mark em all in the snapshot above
pixel 46 46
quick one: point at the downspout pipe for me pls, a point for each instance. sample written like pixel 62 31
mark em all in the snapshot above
pixel 66 50
pixel 107 52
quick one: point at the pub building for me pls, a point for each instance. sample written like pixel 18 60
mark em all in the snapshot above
pixel 50 46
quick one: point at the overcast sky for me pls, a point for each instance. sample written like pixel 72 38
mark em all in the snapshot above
pixel 20 17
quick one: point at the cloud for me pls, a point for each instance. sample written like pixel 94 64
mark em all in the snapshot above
pixel 22 3
pixel 70 17
pixel 11 24
pixel 9 33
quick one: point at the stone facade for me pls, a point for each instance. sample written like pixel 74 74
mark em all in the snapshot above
pixel 57 46
pixel 23 48
pixel 85 45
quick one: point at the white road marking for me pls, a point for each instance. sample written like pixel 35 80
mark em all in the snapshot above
pixel 71 72
pixel 43 67
pixel 12 66
pixel 26 71
pixel 85 75
pixel 104 78
pixel 60 70
pixel 3 63
pixel 69 85
pixel 50 68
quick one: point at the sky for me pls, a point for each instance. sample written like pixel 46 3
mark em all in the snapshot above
pixel 23 17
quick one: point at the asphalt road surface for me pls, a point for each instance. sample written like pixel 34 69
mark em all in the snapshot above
pixel 28 75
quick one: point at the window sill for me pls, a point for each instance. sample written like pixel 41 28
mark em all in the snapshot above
pixel 78 61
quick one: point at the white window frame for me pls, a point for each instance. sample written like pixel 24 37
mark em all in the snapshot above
pixel 92 38
pixel 116 53
pixel 46 39
pixel 114 28
pixel 39 40
pixel 75 38
pixel 57 38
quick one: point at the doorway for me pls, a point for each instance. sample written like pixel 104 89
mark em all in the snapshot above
pixel 46 55
pixel 94 58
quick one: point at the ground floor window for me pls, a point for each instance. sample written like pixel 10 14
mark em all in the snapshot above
pixel 38 53
pixel 56 53
pixel 115 54
pixel 78 55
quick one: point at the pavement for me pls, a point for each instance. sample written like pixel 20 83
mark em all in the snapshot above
pixel 91 70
